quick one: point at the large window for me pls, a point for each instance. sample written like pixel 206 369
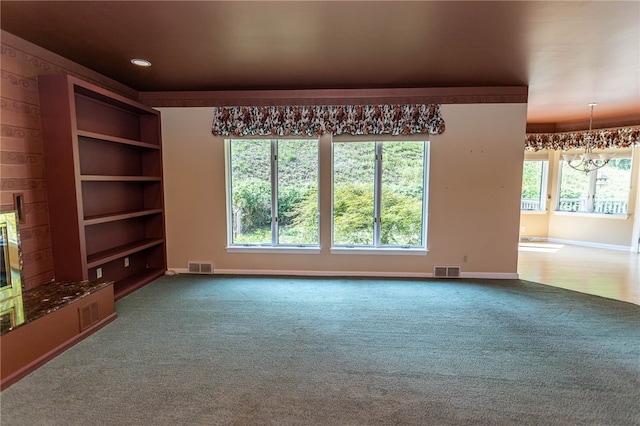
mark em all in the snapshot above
pixel 534 185
pixel 266 176
pixel 605 190
pixel 379 194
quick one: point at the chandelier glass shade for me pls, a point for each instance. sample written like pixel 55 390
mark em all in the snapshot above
pixel 589 161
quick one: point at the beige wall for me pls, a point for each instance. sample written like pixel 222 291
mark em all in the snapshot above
pixel 534 225
pixel 475 180
pixel 596 230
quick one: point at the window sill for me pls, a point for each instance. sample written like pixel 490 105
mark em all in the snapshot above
pixel 382 250
pixel 273 249
pixel 592 215
pixel 533 211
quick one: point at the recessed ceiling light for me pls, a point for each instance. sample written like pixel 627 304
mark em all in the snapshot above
pixel 141 62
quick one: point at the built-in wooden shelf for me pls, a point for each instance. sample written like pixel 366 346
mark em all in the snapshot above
pixel 98 259
pixel 114 178
pixel 94 220
pixel 135 281
pixel 107 138
pixel 103 154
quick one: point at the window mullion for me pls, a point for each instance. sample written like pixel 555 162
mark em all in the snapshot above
pixel 591 198
pixel 274 192
pixel 544 185
pixel 425 197
pixel 377 197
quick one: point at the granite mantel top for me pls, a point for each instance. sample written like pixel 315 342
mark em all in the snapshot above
pixel 44 299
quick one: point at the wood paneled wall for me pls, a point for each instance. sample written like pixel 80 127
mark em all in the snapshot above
pixel 21 145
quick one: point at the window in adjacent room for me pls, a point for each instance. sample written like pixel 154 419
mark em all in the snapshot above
pixel 605 190
pixel 534 185
pixel 272 192
pixel 379 194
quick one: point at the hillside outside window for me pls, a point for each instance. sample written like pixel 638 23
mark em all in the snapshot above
pixel 379 194
pixel 273 192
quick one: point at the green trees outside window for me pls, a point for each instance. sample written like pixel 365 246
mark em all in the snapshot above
pixel 534 184
pixel 605 190
pixel 353 193
pixel 269 176
pixel 379 194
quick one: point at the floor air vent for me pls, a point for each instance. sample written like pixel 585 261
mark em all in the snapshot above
pixel 200 268
pixel 446 271
pixel 88 315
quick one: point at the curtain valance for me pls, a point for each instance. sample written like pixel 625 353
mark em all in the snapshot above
pixel 611 138
pixel 321 119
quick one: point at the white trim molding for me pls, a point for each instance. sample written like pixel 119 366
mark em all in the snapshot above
pixel 273 249
pixel 491 275
pixel 351 274
pixel 380 250
pixel 590 244
pixel 592 215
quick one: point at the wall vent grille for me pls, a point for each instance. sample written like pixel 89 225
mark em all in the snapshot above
pixel 200 268
pixel 88 315
pixel 446 271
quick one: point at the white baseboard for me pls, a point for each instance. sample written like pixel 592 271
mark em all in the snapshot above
pixel 590 244
pixel 354 274
pixel 178 271
pixel 532 239
pixel 491 275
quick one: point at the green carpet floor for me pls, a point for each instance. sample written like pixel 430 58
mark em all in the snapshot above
pixel 198 350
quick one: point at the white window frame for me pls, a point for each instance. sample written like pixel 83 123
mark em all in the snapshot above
pixel 274 246
pixel 377 247
pixel 544 182
pixel 590 210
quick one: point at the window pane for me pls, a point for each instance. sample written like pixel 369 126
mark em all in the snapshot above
pixel 532 185
pixel 353 192
pixel 402 193
pixel 574 190
pixel 251 191
pixel 612 187
pixel 298 192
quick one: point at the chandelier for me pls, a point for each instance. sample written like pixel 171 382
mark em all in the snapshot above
pixel 589 161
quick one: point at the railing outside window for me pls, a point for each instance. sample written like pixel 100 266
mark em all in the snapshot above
pixel 603 191
pixel 573 204
pixel 611 206
pixel 599 206
pixel 530 204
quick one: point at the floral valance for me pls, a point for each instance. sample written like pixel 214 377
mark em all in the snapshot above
pixel 321 119
pixel 611 138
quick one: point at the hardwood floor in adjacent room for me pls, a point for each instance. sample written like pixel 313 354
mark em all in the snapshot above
pixel 608 273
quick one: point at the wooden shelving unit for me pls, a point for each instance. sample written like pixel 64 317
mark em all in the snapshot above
pixel 103 156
